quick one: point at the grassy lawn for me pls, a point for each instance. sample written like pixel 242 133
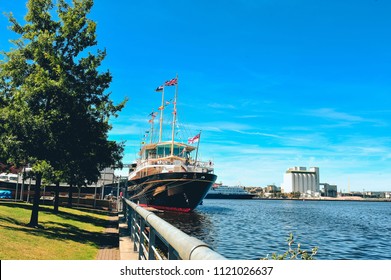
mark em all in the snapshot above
pixel 71 234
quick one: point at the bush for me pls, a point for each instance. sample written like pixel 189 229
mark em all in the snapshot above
pixel 294 253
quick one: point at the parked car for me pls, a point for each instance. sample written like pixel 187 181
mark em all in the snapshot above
pixel 5 194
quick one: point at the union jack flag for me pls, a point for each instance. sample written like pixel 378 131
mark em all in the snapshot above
pixel 171 82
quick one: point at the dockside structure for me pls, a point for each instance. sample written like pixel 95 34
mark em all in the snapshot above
pixel 299 179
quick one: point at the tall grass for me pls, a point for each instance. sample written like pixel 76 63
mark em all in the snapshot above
pixel 69 235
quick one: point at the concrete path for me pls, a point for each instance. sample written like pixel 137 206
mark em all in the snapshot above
pixel 116 245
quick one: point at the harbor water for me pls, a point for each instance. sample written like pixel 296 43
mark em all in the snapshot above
pixel 254 229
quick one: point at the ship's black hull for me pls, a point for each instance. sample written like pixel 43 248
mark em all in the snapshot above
pixel 176 191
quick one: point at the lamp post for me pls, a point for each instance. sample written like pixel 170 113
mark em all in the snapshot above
pixel 22 186
pixel 16 189
pixel 28 192
pixel 118 198
pixel 103 184
pixel 96 186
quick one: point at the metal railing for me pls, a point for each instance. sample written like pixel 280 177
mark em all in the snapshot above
pixel 155 239
pixel 192 163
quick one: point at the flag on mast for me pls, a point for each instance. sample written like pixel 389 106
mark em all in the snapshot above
pixel 159 88
pixel 171 82
pixel 194 139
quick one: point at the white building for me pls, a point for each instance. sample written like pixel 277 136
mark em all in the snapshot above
pixel 299 179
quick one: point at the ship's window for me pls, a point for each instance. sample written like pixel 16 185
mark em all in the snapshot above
pixel 163 151
pixel 150 153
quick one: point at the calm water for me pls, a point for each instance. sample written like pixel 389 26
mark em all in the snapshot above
pixel 252 229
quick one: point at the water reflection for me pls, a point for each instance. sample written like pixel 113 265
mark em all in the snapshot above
pixel 240 229
pixel 195 223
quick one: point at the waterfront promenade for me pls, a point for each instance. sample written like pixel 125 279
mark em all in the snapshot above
pixel 117 244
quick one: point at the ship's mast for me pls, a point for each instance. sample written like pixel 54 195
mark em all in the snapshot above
pixel 161 117
pixel 152 128
pixel 174 117
pixel 198 145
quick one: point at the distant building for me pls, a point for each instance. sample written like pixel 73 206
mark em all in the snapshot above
pixel 107 176
pixel 299 179
pixel 271 189
pixel 329 190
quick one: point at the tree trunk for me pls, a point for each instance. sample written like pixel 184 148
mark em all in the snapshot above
pixel 70 196
pixel 56 197
pixel 37 196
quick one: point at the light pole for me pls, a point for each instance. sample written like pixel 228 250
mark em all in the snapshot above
pixel 103 185
pixel 96 186
pixel 118 198
pixel 22 186
pixel 28 192
pixel 16 188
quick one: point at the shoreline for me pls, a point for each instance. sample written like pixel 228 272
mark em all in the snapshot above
pixel 345 198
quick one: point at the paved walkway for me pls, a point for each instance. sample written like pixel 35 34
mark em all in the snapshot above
pixel 115 244
pixel 125 242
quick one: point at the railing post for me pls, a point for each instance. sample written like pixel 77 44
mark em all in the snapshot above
pixel 134 230
pixel 125 212
pixel 141 235
pixel 129 216
pixel 151 244
pixel 171 253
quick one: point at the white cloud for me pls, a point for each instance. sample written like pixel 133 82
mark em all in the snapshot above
pixel 221 106
pixel 332 114
pixel 121 129
pixel 223 126
pixel 248 116
pixel 344 118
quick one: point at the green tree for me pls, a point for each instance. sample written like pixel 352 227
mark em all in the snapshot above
pixel 55 109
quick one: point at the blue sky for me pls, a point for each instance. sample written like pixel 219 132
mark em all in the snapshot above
pixel 272 84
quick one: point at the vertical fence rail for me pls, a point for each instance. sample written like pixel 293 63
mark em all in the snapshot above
pixel 155 239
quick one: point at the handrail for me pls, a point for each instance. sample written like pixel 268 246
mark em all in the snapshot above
pixel 177 244
pixel 163 161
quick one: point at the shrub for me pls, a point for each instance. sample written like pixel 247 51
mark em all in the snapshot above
pixel 294 253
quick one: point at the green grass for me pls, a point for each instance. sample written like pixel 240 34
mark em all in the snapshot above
pixel 71 234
